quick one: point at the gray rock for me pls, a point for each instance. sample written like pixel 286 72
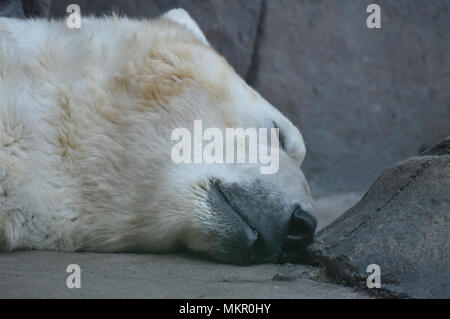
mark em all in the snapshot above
pixel 36 8
pixel 230 26
pixel 11 9
pixel 363 99
pixel 401 224
pixel 441 148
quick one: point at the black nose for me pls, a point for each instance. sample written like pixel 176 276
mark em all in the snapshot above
pixel 301 231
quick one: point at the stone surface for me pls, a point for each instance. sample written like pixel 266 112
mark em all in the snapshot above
pixel 363 99
pixel 43 275
pixel 441 148
pixel 230 26
pixel 402 224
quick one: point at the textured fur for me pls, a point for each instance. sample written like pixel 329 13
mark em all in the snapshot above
pixel 85 122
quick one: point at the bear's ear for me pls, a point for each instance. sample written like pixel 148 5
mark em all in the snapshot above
pixel 183 18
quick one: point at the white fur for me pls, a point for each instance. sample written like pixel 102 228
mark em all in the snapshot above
pixel 183 18
pixel 85 123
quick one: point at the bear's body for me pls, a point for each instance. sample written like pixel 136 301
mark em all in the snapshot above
pixel 85 122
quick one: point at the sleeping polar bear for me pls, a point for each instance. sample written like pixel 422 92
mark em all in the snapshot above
pixel 86 117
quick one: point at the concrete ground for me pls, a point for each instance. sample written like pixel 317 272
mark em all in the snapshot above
pixel 41 274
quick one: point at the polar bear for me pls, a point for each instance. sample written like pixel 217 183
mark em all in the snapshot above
pixel 86 117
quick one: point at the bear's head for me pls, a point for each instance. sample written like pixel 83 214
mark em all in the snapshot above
pixel 233 212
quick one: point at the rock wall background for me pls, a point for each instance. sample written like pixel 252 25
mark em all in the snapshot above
pixel 363 99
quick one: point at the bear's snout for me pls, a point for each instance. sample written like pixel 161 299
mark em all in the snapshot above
pixel 300 234
pixel 257 224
